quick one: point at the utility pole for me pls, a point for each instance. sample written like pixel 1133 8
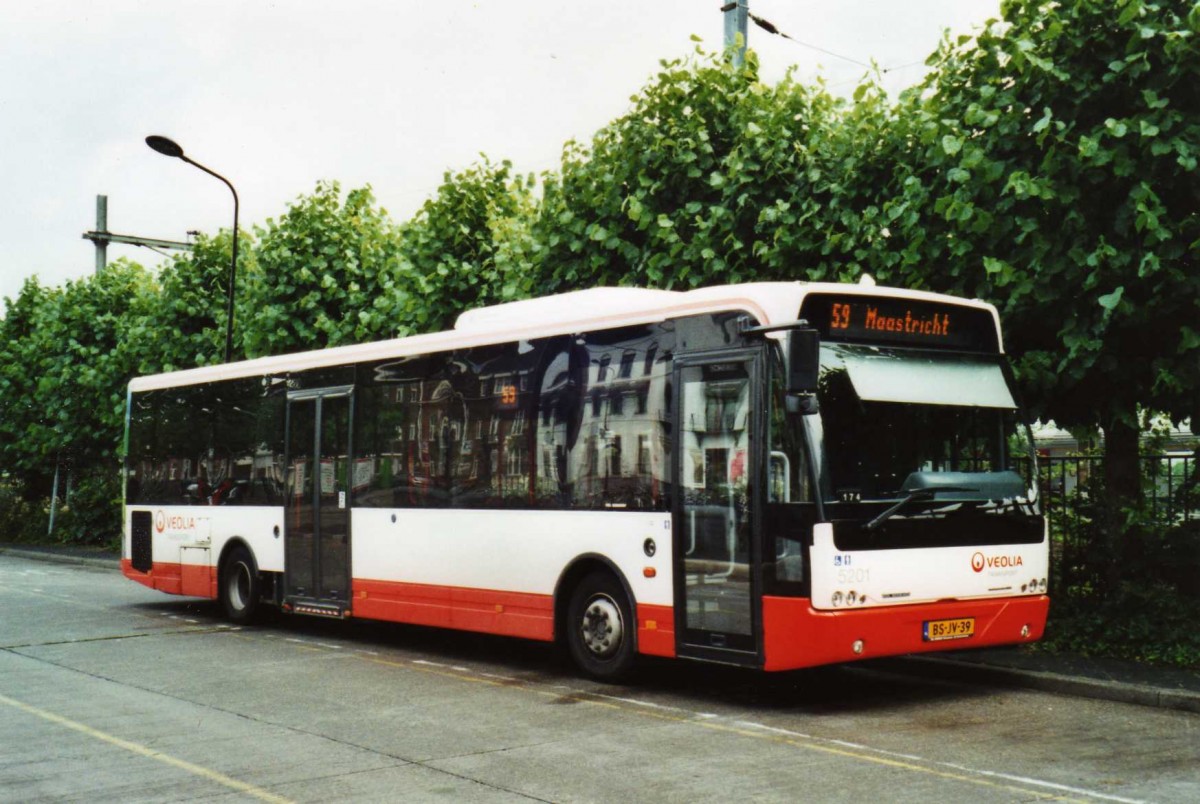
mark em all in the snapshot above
pixel 101 226
pixel 102 237
pixel 736 15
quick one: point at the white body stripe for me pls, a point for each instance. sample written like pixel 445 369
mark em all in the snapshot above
pixel 511 551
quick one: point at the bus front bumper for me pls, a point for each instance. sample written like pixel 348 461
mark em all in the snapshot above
pixel 796 635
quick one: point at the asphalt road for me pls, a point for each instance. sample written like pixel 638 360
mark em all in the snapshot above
pixel 110 691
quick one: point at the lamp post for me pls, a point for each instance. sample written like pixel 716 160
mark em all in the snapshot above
pixel 168 147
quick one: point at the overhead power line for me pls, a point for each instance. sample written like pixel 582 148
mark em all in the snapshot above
pixel 772 28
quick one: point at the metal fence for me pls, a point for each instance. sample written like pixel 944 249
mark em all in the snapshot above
pixel 1072 489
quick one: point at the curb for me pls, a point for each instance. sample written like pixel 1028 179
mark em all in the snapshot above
pixel 1078 686
pixel 55 557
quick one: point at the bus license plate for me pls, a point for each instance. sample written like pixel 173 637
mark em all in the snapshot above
pixel 959 628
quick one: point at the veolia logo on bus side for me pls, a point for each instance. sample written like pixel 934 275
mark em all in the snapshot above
pixel 175 522
pixel 979 561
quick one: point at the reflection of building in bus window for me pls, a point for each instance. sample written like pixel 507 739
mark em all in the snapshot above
pixel 581 451
pixel 626 366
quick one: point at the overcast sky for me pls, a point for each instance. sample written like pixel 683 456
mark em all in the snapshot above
pixel 279 95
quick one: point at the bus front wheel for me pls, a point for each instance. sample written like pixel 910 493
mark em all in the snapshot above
pixel 600 627
pixel 239 585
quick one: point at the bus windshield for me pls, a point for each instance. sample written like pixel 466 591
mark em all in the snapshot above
pixel 925 426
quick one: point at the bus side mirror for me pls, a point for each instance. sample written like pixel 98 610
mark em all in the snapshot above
pixel 804 361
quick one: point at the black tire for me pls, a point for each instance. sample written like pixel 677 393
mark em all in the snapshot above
pixel 600 628
pixel 239 586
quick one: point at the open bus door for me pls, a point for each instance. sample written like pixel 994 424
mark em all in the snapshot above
pixel 317 528
pixel 717 588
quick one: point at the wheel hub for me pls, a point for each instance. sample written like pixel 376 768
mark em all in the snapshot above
pixel 601 627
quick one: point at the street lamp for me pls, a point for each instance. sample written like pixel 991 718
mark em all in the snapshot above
pixel 168 147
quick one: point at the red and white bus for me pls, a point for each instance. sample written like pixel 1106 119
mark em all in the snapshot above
pixel 776 475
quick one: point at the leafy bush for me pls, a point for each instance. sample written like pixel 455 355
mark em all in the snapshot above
pixel 93 514
pixel 23 520
pixel 1140 621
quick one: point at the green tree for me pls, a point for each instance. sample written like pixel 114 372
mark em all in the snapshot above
pixel 1051 168
pixel 185 328
pixel 323 275
pixel 67 356
pixel 715 177
pixel 468 246
pixel 19 371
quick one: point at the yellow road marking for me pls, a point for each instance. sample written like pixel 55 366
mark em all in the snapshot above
pixel 149 753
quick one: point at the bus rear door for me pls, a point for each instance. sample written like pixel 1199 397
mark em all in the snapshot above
pixel 317 537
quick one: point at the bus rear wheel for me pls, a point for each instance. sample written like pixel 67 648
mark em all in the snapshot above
pixel 239 585
pixel 600 627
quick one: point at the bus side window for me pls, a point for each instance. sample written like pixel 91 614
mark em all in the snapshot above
pixel 604 435
pixel 184 428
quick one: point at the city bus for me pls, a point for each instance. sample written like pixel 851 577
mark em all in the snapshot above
pixel 773 475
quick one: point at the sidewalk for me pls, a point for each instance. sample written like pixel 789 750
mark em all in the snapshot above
pixel 1104 679
pixel 1065 674
pixel 62 554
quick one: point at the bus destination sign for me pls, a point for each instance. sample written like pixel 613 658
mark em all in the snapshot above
pixel 903 322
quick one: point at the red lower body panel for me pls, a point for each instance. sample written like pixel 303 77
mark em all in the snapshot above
pixel 656 630
pixel 507 613
pixel 797 635
pixel 193 580
pixel 489 611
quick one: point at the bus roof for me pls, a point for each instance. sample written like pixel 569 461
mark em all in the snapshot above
pixel 561 314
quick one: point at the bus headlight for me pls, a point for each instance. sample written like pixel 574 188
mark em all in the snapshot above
pixel 851 598
pixel 837 599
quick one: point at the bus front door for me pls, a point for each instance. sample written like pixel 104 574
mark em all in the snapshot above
pixel 317 538
pixel 714 545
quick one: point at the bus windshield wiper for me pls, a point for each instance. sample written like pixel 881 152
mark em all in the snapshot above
pixel 915 494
